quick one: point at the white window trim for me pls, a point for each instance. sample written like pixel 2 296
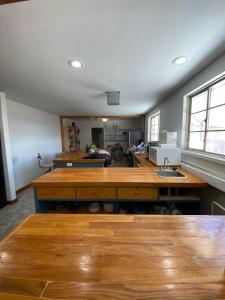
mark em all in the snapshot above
pixel 185 123
pixel 149 124
pixel 205 155
pixel 149 129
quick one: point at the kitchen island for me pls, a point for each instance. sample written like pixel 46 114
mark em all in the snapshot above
pixel 77 159
pixel 114 184
pixel 114 257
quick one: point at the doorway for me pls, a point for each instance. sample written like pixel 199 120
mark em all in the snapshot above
pixel 97 135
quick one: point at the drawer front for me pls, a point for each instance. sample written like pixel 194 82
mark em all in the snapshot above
pixel 96 193
pixel 56 193
pixel 138 193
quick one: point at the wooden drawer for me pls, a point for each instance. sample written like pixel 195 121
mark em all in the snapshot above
pixel 137 193
pixel 96 193
pixel 56 193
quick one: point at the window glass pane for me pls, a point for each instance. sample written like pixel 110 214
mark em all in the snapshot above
pixel 199 102
pixel 215 142
pixel 154 130
pixel 198 121
pixel 218 94
pixel 196 140
pixel 154 138
pixel 216 118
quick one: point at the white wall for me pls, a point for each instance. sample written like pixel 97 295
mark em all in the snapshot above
pixel 31 131
pixel 6 150
pixel 86 125
pixel 171 115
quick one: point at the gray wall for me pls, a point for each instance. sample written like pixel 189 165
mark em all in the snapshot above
pixel 171 109
pixel 171 115
pixel 86 125
pixel 212 194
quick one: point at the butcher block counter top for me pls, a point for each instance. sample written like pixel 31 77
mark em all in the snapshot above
pixel 114 257
pixel 78 156
pixel 115 177
pixel 142 162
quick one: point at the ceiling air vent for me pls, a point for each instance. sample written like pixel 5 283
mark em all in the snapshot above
pixel 2 2
pixel 113 98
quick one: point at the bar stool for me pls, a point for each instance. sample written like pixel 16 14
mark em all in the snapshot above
pixel 48 165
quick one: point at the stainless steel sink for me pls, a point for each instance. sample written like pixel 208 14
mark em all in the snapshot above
pixel 169 173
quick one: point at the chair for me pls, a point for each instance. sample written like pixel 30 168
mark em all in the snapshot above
pixel 48 165
pixel 59 154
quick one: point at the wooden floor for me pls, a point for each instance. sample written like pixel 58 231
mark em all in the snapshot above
pixel 114 257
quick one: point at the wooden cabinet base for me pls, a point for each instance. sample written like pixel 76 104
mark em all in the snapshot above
pixel 52 198
pixel 55 193
pixel 100 193
pixel 137 193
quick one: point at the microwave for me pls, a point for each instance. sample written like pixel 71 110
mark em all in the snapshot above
pixel 158 154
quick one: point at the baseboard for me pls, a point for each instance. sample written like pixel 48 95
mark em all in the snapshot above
pixel 11 202
pixel 18 191
pixel 23 188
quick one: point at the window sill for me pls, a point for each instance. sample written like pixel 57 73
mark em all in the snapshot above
pixel 209 157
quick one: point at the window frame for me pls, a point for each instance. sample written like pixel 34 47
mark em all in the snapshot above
pixel 207 89
pixel 150 126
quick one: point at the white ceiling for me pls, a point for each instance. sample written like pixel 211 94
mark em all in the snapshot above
pixel 125 45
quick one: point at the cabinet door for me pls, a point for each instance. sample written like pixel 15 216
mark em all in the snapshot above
pixel 56 193
pixel 136 193
pixel 96 193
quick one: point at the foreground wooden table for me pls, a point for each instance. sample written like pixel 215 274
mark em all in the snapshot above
pixel 114 257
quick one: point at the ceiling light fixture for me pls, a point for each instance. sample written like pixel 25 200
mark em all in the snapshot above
pixel 180 60
pixel 75 64
pixel 104 119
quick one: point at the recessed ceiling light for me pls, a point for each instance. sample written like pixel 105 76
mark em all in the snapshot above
pixel 75 64
pixel 104 119
pixel 180 60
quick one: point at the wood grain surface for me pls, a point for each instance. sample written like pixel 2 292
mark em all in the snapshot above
pixel 114 177
pixel 78 156
pixel 114 257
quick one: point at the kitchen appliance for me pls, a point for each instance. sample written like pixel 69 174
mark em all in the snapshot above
pixel 159 153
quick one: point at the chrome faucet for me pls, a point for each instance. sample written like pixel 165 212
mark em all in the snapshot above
pixel 165 163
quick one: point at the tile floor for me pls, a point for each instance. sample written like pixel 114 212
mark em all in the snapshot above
pixel 12 215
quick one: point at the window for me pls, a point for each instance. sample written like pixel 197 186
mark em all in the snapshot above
pixel 153 127
pixel 206 131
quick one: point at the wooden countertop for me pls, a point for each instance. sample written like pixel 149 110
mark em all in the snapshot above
pixel 143 162
pixel 77 156
pixel 114 257
pixel 114 177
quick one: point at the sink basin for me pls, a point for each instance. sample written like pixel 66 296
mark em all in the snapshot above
pixel 169 173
